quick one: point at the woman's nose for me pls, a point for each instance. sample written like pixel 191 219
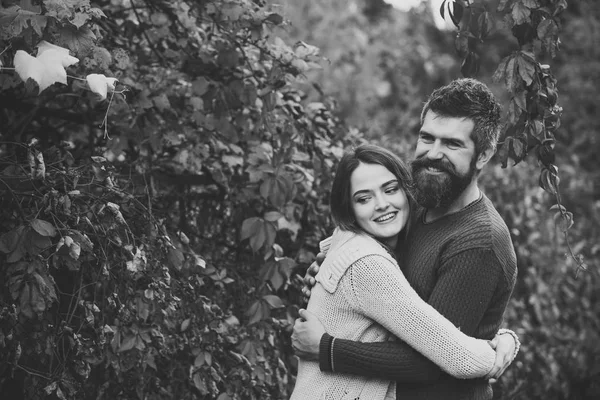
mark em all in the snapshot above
pixel 381 203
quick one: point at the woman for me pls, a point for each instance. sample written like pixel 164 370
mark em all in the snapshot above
pixel 361 292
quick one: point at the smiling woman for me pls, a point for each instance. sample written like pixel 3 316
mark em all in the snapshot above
pixel 380 205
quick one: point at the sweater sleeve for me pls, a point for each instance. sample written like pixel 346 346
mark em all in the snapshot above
pixel 398 360
pixel 380 291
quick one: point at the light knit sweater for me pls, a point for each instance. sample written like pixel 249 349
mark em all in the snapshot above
pixel 362 295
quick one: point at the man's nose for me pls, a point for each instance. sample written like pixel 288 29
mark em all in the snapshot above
pixel 435 152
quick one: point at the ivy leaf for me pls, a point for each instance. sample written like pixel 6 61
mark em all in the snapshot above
pixel 273 301
pixel 500 73
pixel 128 343
pixel 100 84
pixel 10 240
pixel 249 227
pixel 278 189
pixel 456 12
pixel 520 13
pixel 80 41
pixel 274 18
pixel 45 69
pixel 44 228
pixel 526 69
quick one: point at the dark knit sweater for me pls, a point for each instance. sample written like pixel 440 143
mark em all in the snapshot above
pixel 462 264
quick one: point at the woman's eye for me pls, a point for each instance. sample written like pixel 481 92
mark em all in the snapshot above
pixel 362 200
pixel 392 189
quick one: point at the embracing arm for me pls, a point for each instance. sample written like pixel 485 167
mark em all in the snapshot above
pixel 461 294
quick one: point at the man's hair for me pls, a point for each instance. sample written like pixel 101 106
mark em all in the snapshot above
pixel 469 98
pixel 340 198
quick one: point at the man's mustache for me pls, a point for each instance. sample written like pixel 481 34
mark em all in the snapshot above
pixel 424 162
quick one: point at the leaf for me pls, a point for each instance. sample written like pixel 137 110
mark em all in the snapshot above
pixel 9 240
pixel 273 301
pixel 485 24
pixel 272 216
pixel 520 100
pixel 249 227
pixel 100 84
pixel 274 18
pixel 44 228
pixel 456 12
pixel 80 41
pixel 510 80
pixel 563 221
pixel 176 258
pixel 128 343
pixel 526 69
pixel 461 43
pixel 502 5
pixel 547 28
pixel 45 69
pixel 278 189
pixel 255 313
pixel 520 13
pixel 500 73
pixel 185 324
pixel 200 86
pixel 530 3
pixel 58 52
pixel 517 150
pixel 36 243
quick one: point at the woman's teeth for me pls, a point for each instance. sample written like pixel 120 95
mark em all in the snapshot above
pixel 385 217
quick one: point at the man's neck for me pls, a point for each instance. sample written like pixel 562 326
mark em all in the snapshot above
pixel 468 196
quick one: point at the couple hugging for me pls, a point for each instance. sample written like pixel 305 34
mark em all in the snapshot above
pixel 409 294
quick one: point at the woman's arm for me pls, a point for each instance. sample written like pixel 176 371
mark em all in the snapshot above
pixel 380 291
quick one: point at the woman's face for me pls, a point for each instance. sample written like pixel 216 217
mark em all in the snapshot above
pixel 379 203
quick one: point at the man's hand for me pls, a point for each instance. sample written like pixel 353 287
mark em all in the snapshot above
pixel 505 350
pixel 307 334
pixel 309 278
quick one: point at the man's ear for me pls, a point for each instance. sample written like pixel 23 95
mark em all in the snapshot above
pixel 484 157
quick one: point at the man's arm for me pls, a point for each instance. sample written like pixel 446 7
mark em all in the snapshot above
pixel 462 294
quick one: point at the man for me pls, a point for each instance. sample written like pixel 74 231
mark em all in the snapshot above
pixel 457 255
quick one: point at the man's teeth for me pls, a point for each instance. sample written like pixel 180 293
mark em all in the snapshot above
pixel 385 217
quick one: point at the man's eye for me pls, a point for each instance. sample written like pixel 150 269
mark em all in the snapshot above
pixel 426 138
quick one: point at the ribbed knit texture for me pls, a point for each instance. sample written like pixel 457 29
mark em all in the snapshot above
pixel 362 295
pixel 464 266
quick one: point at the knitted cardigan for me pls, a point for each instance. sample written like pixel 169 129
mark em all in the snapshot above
pixel 464 266
pixel 362 295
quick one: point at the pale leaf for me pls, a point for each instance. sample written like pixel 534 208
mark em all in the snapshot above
pixel 60 53
pixel 100 84
pixel 27 67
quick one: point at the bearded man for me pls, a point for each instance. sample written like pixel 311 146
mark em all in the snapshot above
pixel 457 253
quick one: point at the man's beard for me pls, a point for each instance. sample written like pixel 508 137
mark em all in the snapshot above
pixel 439 191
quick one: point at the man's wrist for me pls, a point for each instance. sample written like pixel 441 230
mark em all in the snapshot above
pixel 326 353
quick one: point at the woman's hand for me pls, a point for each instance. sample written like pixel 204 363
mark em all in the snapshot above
pixel 505 351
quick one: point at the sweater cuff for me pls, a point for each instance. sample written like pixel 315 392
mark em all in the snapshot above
pixel 325 352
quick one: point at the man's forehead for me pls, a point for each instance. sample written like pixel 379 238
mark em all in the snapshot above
pixel 445 126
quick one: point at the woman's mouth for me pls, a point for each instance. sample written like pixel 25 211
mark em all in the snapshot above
pixel 385 217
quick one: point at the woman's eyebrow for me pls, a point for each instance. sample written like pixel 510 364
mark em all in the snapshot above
pixel 390 182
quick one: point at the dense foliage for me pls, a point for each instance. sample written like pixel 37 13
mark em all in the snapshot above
pixel 150 238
